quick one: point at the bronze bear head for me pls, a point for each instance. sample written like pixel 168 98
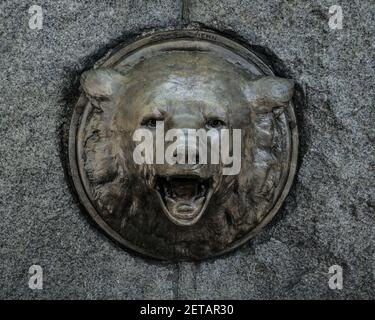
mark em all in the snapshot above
pixel 191 210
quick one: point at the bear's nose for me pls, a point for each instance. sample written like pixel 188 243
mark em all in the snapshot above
pixel 186 151
pixel 186 154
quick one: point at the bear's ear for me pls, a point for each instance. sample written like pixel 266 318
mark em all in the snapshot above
pixel 100 85
pixel 269 92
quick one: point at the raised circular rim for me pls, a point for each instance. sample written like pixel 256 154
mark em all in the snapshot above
pixel 125 49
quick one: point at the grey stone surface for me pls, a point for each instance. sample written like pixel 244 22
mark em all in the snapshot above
pixel 327 219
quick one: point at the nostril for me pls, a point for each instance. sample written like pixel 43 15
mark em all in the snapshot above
pixel 192 158
pixel 187 155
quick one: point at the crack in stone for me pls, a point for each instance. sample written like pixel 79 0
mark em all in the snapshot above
pixel 176 282
pixel 185 11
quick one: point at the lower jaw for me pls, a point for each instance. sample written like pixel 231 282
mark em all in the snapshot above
pixel 186 217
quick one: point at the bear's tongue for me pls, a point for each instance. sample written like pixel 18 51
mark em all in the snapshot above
pixel 184 196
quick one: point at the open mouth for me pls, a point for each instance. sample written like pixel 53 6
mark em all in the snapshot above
pixel 183 198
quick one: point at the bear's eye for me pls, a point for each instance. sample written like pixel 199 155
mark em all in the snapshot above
pixel 215 123
pixel 150 123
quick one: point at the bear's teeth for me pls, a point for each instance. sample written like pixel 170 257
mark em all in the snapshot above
pixel 170 200
pixel 199 201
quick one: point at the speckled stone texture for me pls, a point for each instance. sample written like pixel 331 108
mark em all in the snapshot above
pixel 327 219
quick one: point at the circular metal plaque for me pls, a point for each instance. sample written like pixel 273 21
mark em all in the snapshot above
pixel 185 79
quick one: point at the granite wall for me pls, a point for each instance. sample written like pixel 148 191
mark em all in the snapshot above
pixel 327 219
